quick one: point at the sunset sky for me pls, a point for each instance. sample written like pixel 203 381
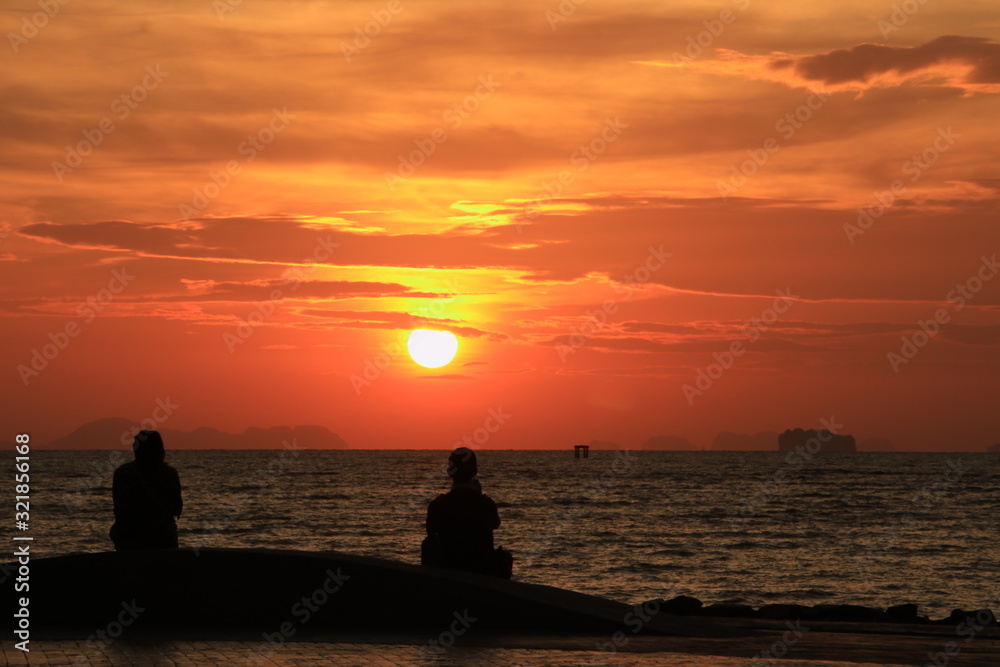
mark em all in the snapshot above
pixel 241 206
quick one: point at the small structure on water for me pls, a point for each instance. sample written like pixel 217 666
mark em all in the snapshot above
pixel 581 448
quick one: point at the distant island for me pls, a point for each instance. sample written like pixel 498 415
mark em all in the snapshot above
pixel 604 445
pixel 115 432
pixel 876 444
pixel 792 440
pixel 744 442
pixel 660 443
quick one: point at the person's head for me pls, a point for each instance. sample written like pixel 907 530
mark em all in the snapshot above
pixel 462 466
pixel 148 447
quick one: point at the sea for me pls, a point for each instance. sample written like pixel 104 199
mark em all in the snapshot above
pixel 756 528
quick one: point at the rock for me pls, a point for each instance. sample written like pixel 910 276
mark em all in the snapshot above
pixel 782 612
pixel 902 613
pixel 729 610
pixel 976 617
pixel 850 613
pixel 682 605
pixel 219 592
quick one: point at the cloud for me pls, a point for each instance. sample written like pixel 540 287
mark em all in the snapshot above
pixel 707 345
pixel 389 320
pixel 262 290
pixel 969 63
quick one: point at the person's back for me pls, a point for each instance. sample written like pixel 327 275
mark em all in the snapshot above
pixel 147 497
pixel 460 524
pixel 464 520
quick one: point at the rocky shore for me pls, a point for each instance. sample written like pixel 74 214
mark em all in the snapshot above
pixel 684 605
pixel 271 607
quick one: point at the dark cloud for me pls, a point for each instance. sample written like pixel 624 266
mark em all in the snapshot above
pixel 971 64
pixel 864 62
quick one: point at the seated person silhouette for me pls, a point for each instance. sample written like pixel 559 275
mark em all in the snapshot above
pixel 147 497
pixel 460 524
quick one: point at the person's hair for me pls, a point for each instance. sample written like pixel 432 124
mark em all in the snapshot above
pixel 148 447
pixel 462 465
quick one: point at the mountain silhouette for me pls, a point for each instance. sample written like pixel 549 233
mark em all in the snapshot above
pixel 115 432
pixel 742 442
pixel 876 444
pixel 604 444
pixel 823 440
pixel 667 442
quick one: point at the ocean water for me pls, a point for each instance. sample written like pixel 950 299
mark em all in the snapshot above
pixel 750 527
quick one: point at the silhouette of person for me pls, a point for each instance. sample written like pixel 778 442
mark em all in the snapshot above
pixel 460 524
pixel 147 497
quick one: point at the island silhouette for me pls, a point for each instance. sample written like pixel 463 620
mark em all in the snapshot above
pixel 116 431
pixel 821 440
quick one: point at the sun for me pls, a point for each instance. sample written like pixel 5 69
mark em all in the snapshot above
pixel 432 349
